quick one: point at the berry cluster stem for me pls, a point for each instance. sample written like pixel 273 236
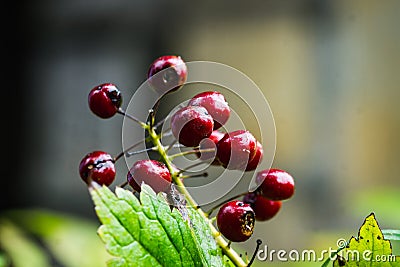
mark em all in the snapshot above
pixel 176 177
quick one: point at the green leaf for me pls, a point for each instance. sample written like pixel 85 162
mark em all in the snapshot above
pixel 61 236
pixel 370 248
pixel 210 252
pixel 4 261
pixel 149 233
pixel 19 248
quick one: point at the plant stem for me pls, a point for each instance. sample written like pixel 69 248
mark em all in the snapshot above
pixel 128 154
pixel 126 151
pixel 123 112
pixel 204 174
pixel 181 171
pixel 195 151
pixel 176 177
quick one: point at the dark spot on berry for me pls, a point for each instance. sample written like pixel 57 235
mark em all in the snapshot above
pixel 115 96
pixel 174 73
pixel 105 100
pixel 97 166
pixel 378 237
pixel 361 237
pixel 248 219
pixel 236 222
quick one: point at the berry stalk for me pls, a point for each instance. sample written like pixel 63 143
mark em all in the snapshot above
pixel 195 151
pixel 194 126
pixel 176 178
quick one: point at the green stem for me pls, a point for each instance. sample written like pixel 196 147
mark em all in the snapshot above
pixel 176 177
pixel 122 112
pixel 195 151
pixel 204 174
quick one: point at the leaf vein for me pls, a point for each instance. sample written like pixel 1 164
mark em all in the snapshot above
pixel 113 200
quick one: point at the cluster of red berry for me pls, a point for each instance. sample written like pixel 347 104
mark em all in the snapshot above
pixel 196 125
pixel 236 218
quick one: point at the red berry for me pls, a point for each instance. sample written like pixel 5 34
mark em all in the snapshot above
pixel 191 124
pixel 235 221
pixel 215 104
pixel 210 143
pixel 172 77
pixel 151 172
pixel 105 100
pixel 264 208
pixel 275 184
pixel 97 166
pixel 253 163
pixel 235 149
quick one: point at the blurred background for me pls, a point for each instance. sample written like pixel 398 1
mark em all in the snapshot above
pixel 329 70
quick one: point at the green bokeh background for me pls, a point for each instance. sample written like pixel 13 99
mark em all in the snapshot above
pixel 329 70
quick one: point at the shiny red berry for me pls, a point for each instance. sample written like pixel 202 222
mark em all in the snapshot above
pixel 210 143
pixel 171 73
pixel 236 149
pixel 215 104
pixel 235 221
pixel 253 163
pixel 275 184
pixel 264 208
pixel 191 124
pixel 97 166
pixel 105 100
pixel 151 172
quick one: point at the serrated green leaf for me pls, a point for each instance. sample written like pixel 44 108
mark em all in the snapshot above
pixel 211 252
pixel 149 233
pixel 369 248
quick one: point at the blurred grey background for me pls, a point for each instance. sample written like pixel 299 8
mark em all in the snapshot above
pixel 329 69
